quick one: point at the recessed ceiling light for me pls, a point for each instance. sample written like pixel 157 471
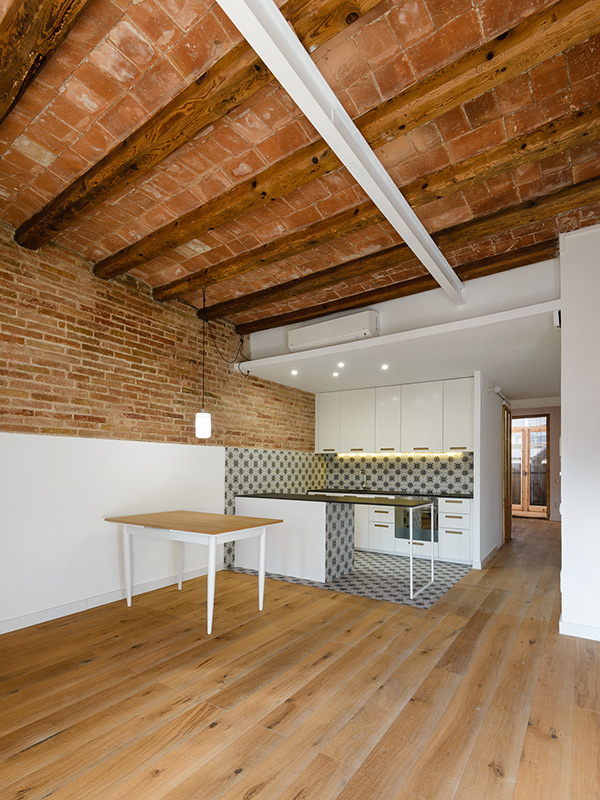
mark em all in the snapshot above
pixel 385 366
pixel 294 372
pixel 341 364
pixel 335 374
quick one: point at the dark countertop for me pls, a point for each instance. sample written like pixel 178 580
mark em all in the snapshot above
pixel 385 500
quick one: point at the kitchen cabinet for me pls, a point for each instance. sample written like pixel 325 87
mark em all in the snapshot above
pixel 388 408
pixel 458 414
pixel 357 421
pixel 422 417
pixel 454 524
pixel 361 527
pixel 328 422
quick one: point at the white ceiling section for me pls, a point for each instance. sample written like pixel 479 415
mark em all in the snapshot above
pixel 519 350
pixel 266 30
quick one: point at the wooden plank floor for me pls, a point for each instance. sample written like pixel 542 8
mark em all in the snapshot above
pixel 321 696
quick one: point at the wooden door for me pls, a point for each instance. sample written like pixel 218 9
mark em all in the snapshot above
pixel 506 474
pixel 530 468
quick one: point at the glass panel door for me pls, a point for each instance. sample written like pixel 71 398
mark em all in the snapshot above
pixel 530 466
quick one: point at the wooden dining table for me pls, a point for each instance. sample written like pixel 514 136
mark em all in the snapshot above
pixel 194 527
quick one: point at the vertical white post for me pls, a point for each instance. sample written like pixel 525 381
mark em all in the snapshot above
pixel 262 541
pixel 432 540
pixel 210 583
pixel 180 547
pixel 127 562
pixel 410 548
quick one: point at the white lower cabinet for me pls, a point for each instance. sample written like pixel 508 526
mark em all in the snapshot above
pixel 454 524
pixel 374 530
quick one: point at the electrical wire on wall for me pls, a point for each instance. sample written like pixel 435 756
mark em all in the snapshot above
pixel 235 359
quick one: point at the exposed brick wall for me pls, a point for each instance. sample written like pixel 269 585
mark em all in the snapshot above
pixel 83 357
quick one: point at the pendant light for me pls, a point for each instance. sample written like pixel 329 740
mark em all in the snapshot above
pixel 203 422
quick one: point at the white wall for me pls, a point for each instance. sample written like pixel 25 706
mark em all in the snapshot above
pixel 487 490
pixel 516 288
pixel 58 555
pixel 580 392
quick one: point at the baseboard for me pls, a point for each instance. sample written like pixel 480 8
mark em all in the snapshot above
pixel 25 621
pixel 580 631
pixel 484 562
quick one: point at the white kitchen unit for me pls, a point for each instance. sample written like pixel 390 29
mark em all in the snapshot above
pixel 458 414
pixel 381 528
pixel 361 527
pixel 454 529
pixel 357 421
pixel 422 417
pixel 388 409
pixel 296 546
pixel 328 422
pixel 420 549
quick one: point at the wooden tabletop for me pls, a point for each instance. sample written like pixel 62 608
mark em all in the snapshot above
pixel 195 521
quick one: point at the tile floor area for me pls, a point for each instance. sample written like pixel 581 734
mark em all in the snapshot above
pixel 386 577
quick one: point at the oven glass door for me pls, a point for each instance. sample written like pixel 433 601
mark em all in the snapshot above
pixel 421 524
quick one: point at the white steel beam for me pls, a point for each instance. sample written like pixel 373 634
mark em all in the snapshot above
pixel 267 31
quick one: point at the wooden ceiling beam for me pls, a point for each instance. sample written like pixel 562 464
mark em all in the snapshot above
pixel 476 269
pixel 30 32
pixel 543 207
pixel 225 85
pixel 532 41
pixel 556 136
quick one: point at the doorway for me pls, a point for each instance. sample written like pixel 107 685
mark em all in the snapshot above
pixel 530 466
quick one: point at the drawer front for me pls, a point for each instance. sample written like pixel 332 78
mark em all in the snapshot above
pixel 381 536
pixel 454 519
pixel 455 544
pixel 454 504
pixel 420 549
pixel 381 513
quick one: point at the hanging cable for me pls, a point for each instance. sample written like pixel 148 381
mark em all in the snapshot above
pixel 206 321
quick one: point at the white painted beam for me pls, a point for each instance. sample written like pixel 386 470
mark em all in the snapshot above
pixel 267 31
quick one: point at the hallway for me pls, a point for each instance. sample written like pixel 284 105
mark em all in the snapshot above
pixel 323 696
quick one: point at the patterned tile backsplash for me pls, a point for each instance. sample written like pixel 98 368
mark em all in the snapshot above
pixel 252 470
pixel 419 474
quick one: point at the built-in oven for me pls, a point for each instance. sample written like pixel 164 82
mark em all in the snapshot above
pixel 422 521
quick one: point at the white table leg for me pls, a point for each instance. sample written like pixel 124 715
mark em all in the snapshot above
pixel 262 541
pixel 210 583
pixel 127 563
pixel 179 564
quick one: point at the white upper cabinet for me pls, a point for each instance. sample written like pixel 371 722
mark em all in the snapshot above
pixel 458 414
pixel 328 422
pixel 357 413
pixel 422 415
pixel 388 408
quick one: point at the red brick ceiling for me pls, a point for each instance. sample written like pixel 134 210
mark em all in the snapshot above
pixel 124 60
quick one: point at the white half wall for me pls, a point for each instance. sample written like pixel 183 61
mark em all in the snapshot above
pixel 487 489
pixel 580 392
pixel 58 554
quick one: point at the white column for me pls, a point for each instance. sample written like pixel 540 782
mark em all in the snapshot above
pixel 580 444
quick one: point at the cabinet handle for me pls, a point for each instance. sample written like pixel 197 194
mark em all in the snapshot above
pixel 418 544
pixel 459 533
pixel 376 511
pixel 386 449
pixel 329 449
pixel 462 447
pixel 379 525
pixel 453 516
pixel 356 449
pixel 420 448
pixel 458 502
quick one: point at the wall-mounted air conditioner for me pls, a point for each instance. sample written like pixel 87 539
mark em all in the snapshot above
pixel 363 325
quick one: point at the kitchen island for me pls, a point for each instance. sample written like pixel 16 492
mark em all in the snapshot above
pixel 318 544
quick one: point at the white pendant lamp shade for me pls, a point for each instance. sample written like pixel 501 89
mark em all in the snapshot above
pixel 203 425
